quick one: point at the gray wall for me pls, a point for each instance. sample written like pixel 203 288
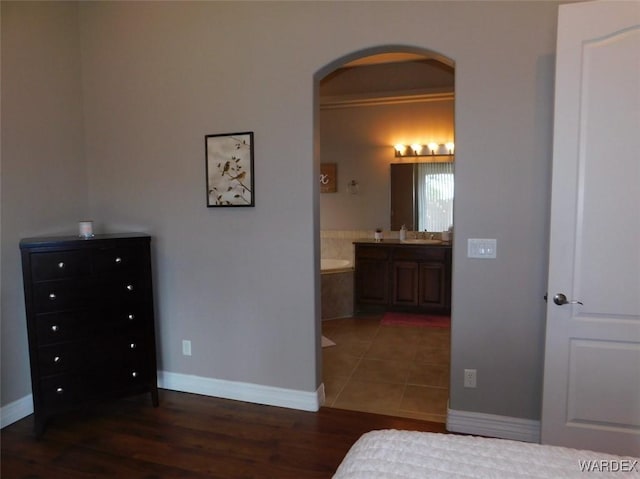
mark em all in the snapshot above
pixel 242 283
pixel 44 182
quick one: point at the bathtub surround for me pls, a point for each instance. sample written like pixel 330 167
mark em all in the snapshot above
pixel 336 281
pixel 336 294
pixel 328 265
pixel 338 244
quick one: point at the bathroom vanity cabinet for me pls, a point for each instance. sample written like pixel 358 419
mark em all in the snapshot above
pixel 90 322
pixel 395 276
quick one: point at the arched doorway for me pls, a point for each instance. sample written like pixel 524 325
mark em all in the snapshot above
pixel 365 103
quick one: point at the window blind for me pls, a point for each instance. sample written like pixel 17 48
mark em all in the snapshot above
pixel 435 196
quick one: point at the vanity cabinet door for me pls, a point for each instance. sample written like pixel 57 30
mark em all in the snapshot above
pixel 372 282
pixel 419 285
pixel 405 283
pixel 397 277
pixel 432 291
pixel 371 277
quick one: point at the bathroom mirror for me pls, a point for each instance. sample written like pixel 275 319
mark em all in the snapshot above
pixel 421 196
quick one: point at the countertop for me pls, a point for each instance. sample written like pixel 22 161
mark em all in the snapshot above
pixel 397 242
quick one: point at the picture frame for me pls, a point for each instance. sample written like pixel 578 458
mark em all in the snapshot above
pixel 328 177
pixel 229 169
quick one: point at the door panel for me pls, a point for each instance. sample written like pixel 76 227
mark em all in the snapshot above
pixel 405 283
pixel 432 280
pixel 588 391
pixel 591 396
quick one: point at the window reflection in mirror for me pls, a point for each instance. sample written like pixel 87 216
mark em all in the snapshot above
pixel 422 196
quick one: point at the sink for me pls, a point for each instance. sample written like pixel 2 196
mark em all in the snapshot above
pixel 421 241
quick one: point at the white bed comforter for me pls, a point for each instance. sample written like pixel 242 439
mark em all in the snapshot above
pixel 392 454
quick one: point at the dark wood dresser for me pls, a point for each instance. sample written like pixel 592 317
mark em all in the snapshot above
pixel 90 321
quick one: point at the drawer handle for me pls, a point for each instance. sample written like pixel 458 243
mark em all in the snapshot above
pixel 56 359
pixel 118 260
pixel 59 390
pixel 55 328
pixel 132 346
pixel 131 316
pixel 61 264
pixel 134 374
pixel 129 287
pixel 52 296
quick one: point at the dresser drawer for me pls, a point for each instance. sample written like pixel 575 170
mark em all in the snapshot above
pixel 114 380
pixel 59 265
pixel 61 391
pixel 65 391
pixel 124 349
pixel 60 358
pixel 118 259
pixel 122 289
pixel 60 295
pixel 102 357
pixel 119 291
pixel 130 375
pixel 60 327
pixel 124 318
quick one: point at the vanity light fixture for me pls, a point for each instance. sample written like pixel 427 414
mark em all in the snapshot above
pixel 432 149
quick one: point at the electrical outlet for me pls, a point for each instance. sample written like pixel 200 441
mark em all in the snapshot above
pixel 186 347
pixel 470 378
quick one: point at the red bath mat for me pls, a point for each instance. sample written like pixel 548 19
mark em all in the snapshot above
pixel 417 320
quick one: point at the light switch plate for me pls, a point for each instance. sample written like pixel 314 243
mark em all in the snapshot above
pixel 484 248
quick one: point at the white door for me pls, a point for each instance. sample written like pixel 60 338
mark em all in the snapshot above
pixel 591 397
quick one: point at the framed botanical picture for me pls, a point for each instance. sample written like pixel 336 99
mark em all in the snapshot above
pixel 229 166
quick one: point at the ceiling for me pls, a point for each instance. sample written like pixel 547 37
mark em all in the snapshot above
pixel 394 57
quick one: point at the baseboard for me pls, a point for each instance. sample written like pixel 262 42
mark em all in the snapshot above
pixel 16 410
pixel 491 425
pixel 254 393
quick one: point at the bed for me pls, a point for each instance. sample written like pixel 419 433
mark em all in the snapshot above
pixel 393 454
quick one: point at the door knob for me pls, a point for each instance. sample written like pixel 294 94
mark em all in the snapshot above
pixel 561 299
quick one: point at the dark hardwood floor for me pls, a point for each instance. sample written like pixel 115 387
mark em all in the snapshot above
pixel 190 436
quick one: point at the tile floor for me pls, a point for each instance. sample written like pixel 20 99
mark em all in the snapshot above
pixel 394 370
